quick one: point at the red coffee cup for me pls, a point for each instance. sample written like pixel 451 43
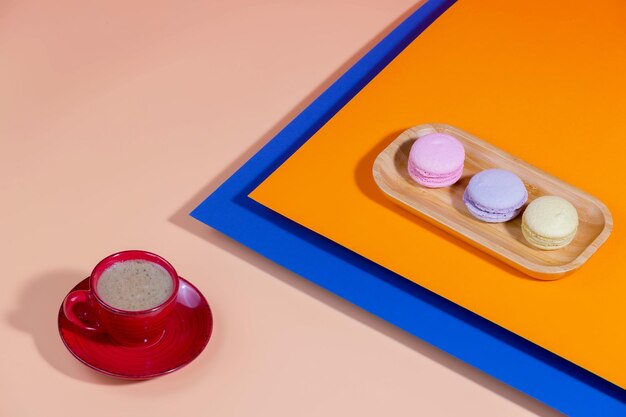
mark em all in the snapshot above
pixel 87 311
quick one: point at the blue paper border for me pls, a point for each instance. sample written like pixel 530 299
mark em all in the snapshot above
pixel 453 329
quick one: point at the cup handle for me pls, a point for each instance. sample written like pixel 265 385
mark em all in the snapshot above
pixel 81 301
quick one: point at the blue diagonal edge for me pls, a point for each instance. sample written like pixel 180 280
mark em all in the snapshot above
pixel 453 329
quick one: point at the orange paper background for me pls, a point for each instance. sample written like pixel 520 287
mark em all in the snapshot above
pixel 544 81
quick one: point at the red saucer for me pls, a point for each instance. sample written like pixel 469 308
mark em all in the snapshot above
pixel 187 333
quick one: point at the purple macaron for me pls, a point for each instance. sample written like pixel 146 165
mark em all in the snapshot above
pixel 436 160
pixel 495 195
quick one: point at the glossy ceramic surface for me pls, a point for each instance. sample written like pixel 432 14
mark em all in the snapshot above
pixel 86 310
pixel 187 332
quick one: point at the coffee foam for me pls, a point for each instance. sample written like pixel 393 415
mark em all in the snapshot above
pixel 134 285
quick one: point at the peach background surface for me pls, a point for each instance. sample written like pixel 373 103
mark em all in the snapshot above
pixel 117 118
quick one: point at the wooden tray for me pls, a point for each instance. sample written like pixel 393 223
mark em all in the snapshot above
pixel 444 207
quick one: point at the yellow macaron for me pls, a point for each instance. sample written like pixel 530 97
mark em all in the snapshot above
pixel 549 223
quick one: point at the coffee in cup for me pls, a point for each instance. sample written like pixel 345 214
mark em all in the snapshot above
pixel 130 297
pixel 134 285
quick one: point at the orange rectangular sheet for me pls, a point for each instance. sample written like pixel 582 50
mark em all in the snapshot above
pixel 546 82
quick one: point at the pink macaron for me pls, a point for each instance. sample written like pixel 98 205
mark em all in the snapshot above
pixel 436 160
